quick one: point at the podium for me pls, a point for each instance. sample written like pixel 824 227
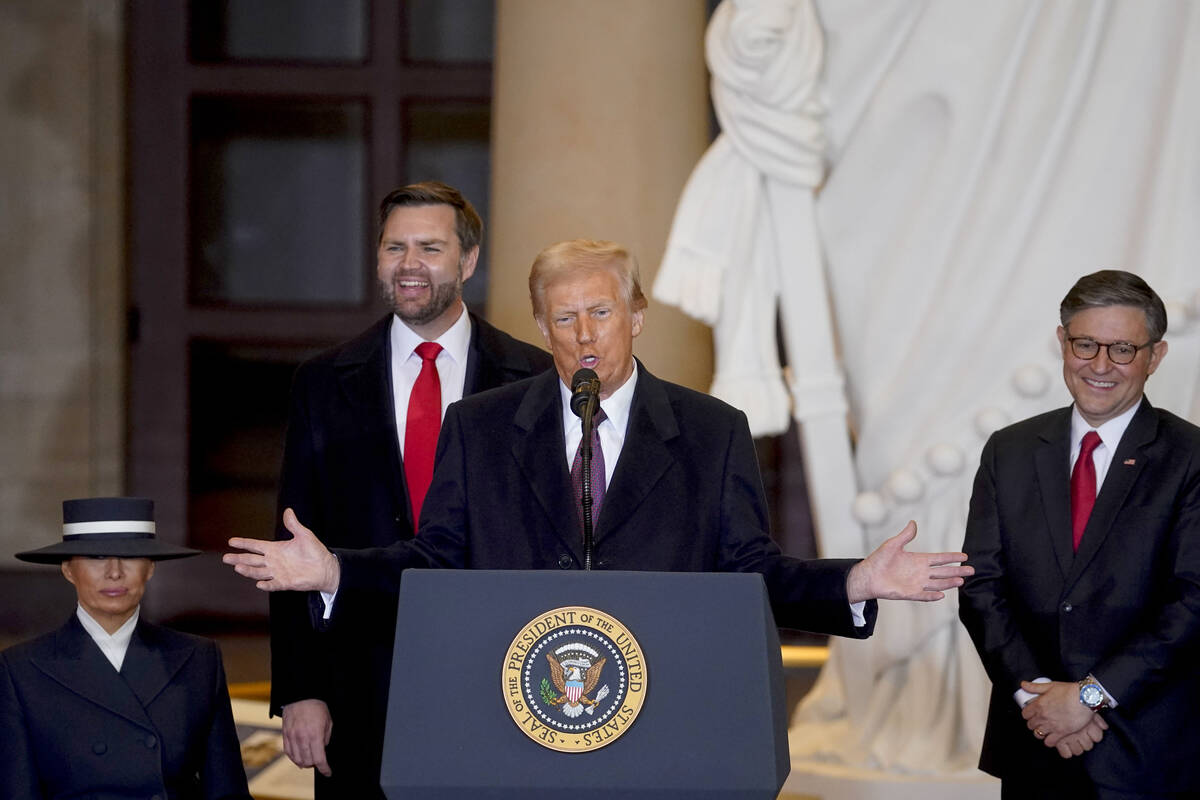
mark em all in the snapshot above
pixel 708 677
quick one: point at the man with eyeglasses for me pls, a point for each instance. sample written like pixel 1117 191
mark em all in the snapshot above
pixel 1084 531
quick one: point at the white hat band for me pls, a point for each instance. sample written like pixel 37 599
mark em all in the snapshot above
pixel 108 526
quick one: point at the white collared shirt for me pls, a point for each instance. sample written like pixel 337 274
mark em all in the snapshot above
pixel 612 429
pixel 1110 436
pixel 406 365
pixel 115 645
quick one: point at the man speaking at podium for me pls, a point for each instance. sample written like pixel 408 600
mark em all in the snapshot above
pixel 675 482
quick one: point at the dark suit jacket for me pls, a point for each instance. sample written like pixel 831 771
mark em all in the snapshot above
pixel 1124 608
pixel 685 496
pixel 72 726
pixel 343 475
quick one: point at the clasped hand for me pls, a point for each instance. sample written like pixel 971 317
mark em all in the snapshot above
pixel 1058 718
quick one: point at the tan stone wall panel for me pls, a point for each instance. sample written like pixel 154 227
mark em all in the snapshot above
pixel 61 295
pixel 599 114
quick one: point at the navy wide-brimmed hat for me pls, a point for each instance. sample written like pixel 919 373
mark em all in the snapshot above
pixel 116 527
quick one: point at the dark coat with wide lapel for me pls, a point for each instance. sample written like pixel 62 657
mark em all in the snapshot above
pixel 1125 608
pixel 343 476
pixel 75 727
pixel 685 495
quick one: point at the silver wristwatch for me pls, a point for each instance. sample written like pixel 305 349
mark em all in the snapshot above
pixel 1091 695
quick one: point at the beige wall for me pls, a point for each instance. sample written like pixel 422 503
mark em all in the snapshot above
pixel 61 273
pixel 600 113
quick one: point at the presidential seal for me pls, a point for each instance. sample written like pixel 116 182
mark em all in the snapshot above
pixel 574 679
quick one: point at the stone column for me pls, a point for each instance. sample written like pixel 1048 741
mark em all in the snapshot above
pixel 62 275
pixel 600 112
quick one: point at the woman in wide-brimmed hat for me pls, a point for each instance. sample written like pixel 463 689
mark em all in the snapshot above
pixel 109 705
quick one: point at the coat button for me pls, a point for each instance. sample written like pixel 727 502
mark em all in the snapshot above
pixel 151 741
pixel 99 748
pixel 564 561
pixel 1067 607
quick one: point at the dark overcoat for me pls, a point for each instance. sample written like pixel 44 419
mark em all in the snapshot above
pixel 71 726
pixel 685 496
pixel 344 477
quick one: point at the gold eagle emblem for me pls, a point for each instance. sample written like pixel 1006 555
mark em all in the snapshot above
pixel 575 679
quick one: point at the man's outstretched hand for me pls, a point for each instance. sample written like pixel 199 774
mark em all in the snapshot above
pixel 892 573
pixel 300 564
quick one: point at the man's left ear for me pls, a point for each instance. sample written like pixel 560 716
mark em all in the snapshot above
pixel 469 260
pixel 150 573
pixel 637 321
pixel 1158 351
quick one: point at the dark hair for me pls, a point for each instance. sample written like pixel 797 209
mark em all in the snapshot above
pixel 467 223
pixel 1116 287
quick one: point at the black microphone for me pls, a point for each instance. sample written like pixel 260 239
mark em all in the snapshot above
pixel 585 385
pixel 585 399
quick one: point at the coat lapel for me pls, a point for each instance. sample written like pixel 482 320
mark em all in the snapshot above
pixel 78 666
pixel 540 452
pixel 644 455
pixel 1054 483
pixel 481 370
pixel 1142 430
pixel 364 373
pixel 152 662
pixel 490 361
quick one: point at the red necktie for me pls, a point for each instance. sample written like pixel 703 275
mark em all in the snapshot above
pixel 421 428
pixel 597 472
pixel 1083 487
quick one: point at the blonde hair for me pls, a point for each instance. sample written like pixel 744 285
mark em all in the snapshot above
pixel 581 256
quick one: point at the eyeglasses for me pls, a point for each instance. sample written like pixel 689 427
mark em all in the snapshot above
pixel 1118 352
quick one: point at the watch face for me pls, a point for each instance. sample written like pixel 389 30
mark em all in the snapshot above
pixel 1091 695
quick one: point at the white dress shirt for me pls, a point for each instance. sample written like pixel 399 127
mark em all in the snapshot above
pixel 406 365
pixel 115 645
pixel 612 429
pixel 1110 436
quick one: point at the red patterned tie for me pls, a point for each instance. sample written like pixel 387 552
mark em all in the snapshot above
pixel 421 428
pixel 597 472
pixel 1083 487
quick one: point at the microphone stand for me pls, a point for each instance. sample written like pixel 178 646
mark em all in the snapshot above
pixel 585 452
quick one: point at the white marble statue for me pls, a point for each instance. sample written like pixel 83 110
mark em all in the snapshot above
pixel 979 158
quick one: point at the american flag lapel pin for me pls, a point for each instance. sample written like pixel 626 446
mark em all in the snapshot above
pixel 1129 462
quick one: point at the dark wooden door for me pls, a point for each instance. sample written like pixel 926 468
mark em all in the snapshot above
pixel 261 135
